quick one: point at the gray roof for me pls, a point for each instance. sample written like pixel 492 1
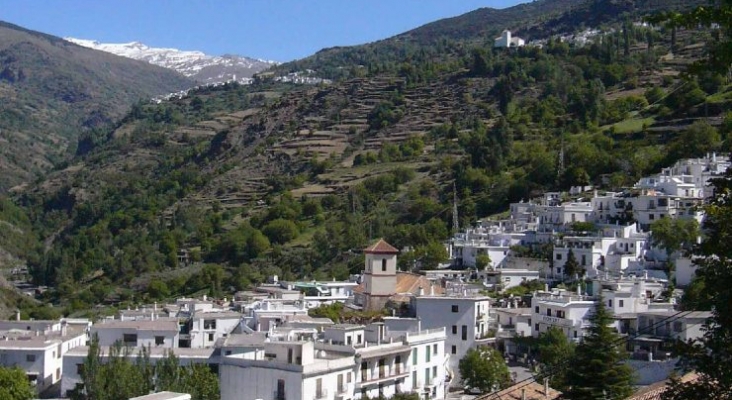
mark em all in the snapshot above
pixel 245 340
pixel 162 324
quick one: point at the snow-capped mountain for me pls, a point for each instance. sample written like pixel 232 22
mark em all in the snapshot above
pixel 193 64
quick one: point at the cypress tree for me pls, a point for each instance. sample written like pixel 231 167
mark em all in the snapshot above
pixel 599 371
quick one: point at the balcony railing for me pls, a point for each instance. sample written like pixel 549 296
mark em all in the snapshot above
pixel 321 394
pixel 343 388
pixel 387 375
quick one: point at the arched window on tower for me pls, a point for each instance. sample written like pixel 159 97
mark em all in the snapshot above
pixel 383 264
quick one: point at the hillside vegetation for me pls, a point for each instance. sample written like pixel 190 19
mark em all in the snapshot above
pixel 52 91
pixel 433 46
pixel 216 191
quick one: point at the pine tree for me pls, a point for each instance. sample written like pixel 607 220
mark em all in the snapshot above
pixel 555 354
pixel 598 370
pixel 571 266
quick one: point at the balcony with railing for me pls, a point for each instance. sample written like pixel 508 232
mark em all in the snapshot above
pixel 382 374
pixel 321 394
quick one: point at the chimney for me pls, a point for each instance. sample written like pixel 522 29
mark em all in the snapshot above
pixel 155 306
pixel 205 297
pixel 432 289
pixel 64 326
pixel 523 394
pixel 420 291
pixel 546 388
pixel 17 315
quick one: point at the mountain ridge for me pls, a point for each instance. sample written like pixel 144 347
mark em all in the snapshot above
pixel 193 64
pixel 53 90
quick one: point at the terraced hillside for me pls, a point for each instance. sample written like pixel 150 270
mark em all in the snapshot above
pixel 249 181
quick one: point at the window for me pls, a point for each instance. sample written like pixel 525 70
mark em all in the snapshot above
pixel 427 353
pixel 584 260
pixel 319 388
pixel 414 381
pixel 609 303
pixel 678 326
pixel 383 264
pixel 465 332
pixel 651 217
pixel 349 340
pixel 536 327
pixel 559 256
pixel 549 312
pixel 620 303
pixel 130 339
pixel 348 377
pixel 159 340
pixel 536 309
pixel 454 349
pixel 341 386
pixel 434 371
pixel 575 334
pixel 454 308
pixel 454 329
pixel 364 371
pixel 426 376
pixel 30 357
pixel 280 395
pixel 58 373
pixel 434 349
pixel 209 324
pixel 415 356
pixel 358 339
pixel 210 337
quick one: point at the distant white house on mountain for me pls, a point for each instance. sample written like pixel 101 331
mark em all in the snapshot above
pixel 506 40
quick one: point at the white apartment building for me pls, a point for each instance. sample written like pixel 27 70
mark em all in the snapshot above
pixel 465 318
pixel 315 294
pixel 570 312
pixel 687 178
pixel 268 314
pixel 39 352
pixel 73 361
pixel 206 327
pixel 376 362
pixel 162 333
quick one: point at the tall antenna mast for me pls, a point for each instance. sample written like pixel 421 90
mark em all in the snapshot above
pixel 455 223
pixel 560 164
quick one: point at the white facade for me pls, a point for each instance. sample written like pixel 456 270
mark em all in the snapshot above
pixel 507 40
pixel 39 353
pixel 205 328
pixel 143 333
pixel 382 365
pixel 465 319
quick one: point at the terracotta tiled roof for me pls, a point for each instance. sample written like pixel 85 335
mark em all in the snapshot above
pixel 408 282
pixel 531 391
pixel 654 392
pixel 381 247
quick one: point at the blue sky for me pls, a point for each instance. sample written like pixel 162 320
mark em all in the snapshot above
pixel 279 30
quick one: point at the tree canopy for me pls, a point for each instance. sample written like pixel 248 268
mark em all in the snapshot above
pixel 600 372
pixel 484 368
pixel 14 385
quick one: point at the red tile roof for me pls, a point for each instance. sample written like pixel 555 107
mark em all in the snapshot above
pixel 381 247
pixel 655 391
pixel 519 391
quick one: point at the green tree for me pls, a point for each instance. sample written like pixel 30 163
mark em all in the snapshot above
pixel 431 255
pixel 14 385
pixel 281 231
pixel 601 372
pixel 484 368
pixel 482 261
pixel 710 355
pixel 572 267
pixel 674 235
pixel 555 355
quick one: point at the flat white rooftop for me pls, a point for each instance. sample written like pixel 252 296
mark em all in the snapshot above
pixel 164 396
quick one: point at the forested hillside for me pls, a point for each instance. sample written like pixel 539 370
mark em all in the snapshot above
pixel 435 45
pixel 52 91
pixel 218 190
